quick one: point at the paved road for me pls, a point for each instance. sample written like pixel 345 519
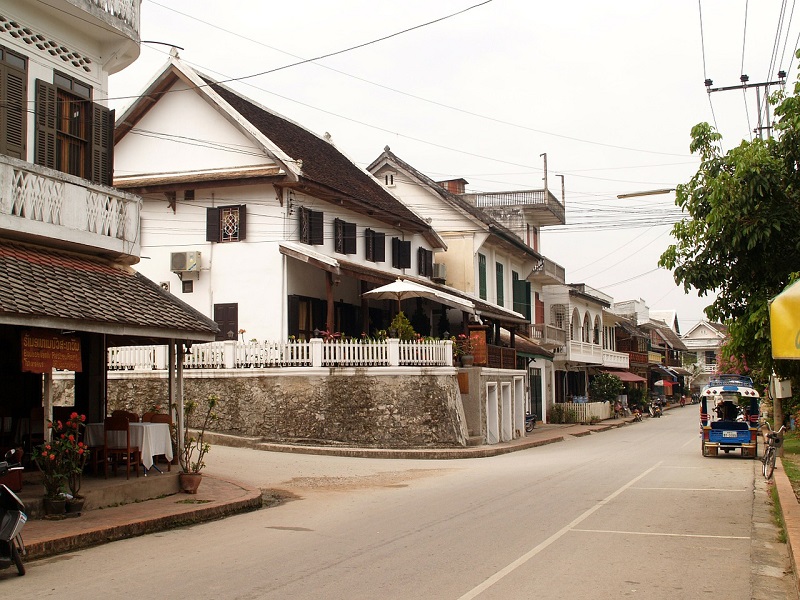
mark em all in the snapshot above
pixel 632 512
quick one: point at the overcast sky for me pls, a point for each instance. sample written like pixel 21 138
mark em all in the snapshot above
pixel 609 91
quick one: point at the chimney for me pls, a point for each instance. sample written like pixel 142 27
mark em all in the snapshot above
pixel 454 186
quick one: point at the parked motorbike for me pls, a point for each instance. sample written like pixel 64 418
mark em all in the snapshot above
pixel 530 422
pixel 637 415
pixel 655 410
pixel 12 519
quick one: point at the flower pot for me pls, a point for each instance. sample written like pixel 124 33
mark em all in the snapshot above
pixel 189 482
pixel 54 506
pixel 76 504
pixel 467 360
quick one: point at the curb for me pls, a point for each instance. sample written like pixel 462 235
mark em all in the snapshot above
pixel 790 508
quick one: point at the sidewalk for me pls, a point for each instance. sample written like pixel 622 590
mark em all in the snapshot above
pixel 218 498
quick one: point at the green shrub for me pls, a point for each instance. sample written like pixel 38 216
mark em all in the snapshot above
pixel 605 387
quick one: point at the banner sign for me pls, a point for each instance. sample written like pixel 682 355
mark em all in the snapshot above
pixel 44 350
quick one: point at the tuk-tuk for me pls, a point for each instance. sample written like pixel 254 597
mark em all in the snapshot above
pixel 728 426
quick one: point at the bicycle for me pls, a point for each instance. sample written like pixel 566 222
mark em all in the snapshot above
pixel 770 454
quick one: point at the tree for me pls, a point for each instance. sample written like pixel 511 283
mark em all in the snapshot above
pixel 605 387
pixel 741 238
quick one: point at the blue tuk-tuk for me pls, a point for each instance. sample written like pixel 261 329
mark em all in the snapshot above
pixel 726 426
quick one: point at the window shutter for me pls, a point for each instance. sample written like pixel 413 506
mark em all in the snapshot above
pixel 405 255
pixel 349 238
pixel 379 246
pixel 501 285
pixel 102 147
pixel 482 276
pixel 396 252
pixel 369 244
pixel 424 262
pixel 242 222
pixel 338 236
pixel 212 225
pixel 45 149
pixel 13 111
pixel 316 228
pixel 305 228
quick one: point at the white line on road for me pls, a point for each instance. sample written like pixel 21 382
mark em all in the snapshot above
pixel 510 568
pixel 686 535
pixel 673 489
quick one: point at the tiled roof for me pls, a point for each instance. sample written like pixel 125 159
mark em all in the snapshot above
pixel 321 161
pixel 44 283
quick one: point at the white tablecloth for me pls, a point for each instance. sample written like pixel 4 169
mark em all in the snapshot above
pixel 153 439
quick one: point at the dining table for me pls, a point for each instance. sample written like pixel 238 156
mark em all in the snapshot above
pixel 152 439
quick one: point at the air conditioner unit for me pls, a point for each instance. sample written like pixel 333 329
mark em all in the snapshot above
pixel 182 262
pixel 439 271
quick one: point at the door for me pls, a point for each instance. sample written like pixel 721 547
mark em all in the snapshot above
pixel 227 317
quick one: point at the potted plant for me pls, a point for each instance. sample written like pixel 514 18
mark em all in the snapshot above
pixel 76 453
pixel 462 349
pixel 49 457
pixel 194 446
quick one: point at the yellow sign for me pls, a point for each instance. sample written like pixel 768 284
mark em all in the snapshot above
pixel 784 323
pixel 43 351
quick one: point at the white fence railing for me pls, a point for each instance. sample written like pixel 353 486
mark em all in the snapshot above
pixel 586 411
pixel 311 353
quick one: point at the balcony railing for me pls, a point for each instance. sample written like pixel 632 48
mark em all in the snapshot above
pixel 549 334
pixel 500 357
pixel 549 273
pixel 637 357
pixel 311 353
pixel 524 198
pixel 655 358
pixel 126 11
pixel 581 352
pixel 40 203
pixel 618 360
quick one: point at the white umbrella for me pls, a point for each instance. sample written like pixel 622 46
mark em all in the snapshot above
pixel 403 289
pixel 661 383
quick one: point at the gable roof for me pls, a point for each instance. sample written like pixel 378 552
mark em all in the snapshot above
pixel 58 289
pixel 310 163
pixel 718 330
pixel 488 222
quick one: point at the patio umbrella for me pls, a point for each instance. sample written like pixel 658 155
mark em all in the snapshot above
pixel 662 383
pixel 403 289
pixel 784 323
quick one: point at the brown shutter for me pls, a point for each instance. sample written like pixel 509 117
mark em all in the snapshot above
pixel 212 225
pixel 242 222
pixel 316 227
pixel 102 147
pixel 13 111
pixel 349 238
pixel 379 246
pixel 338 236
pixel 45 149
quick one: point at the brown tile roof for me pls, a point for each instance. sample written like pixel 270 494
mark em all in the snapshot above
pixel 92 294
pixel 322 162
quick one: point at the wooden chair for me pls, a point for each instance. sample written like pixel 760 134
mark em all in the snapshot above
pixel 131 416
pixel 146 417
pixel 130 455
pixel 162 418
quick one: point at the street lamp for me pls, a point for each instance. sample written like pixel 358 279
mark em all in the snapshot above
pixel 646 193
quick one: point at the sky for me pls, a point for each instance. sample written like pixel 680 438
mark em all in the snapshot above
pixel 605 92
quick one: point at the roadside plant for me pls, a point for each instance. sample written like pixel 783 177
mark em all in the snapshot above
pixel 194 445
pixel 61 458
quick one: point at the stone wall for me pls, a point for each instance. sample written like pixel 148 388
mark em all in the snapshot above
pixel 352 408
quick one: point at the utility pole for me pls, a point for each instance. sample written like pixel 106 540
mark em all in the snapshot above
pixel 545 171
pixel 744 85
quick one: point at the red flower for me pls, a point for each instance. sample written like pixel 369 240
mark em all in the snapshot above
pixel 71 438
pixel 83 417
pixel 52 457
pixel 74 415
pixel 80 450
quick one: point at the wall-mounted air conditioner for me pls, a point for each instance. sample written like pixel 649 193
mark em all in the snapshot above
pixel 184 262
pixel 439 271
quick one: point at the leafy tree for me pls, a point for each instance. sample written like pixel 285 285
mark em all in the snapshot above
pixel 605 387
pixel 741 238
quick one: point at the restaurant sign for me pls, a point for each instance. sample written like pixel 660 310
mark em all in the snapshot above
pixel 43 351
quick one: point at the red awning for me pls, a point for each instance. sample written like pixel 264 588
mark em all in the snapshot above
pixel 627 376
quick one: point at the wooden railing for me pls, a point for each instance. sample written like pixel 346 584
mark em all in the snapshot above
pixel 500 357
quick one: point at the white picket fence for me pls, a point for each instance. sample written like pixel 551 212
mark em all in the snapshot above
pixel 311 353
pixel 585 411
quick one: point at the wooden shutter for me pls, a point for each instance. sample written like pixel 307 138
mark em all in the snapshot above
pixel 369 244
pixel 349 238
pixel 102 145
pixel 242 222
pixel 482 276
pixel 227 318
pixel 213 225
pixel 316 228
pixel 379 246
pixel 401 254
pixel 338 236
pixel 500 284
pixel 45 148
pixel 424 262
pixel 13 111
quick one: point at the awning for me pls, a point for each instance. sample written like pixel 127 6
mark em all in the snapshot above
pixel 626 376
pixel 308 255
pixel 681 371
pixel 667 371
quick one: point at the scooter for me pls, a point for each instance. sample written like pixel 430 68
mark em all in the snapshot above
pixel 530 422
pixel 12 519
pixel 655 410
pixel 637 415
